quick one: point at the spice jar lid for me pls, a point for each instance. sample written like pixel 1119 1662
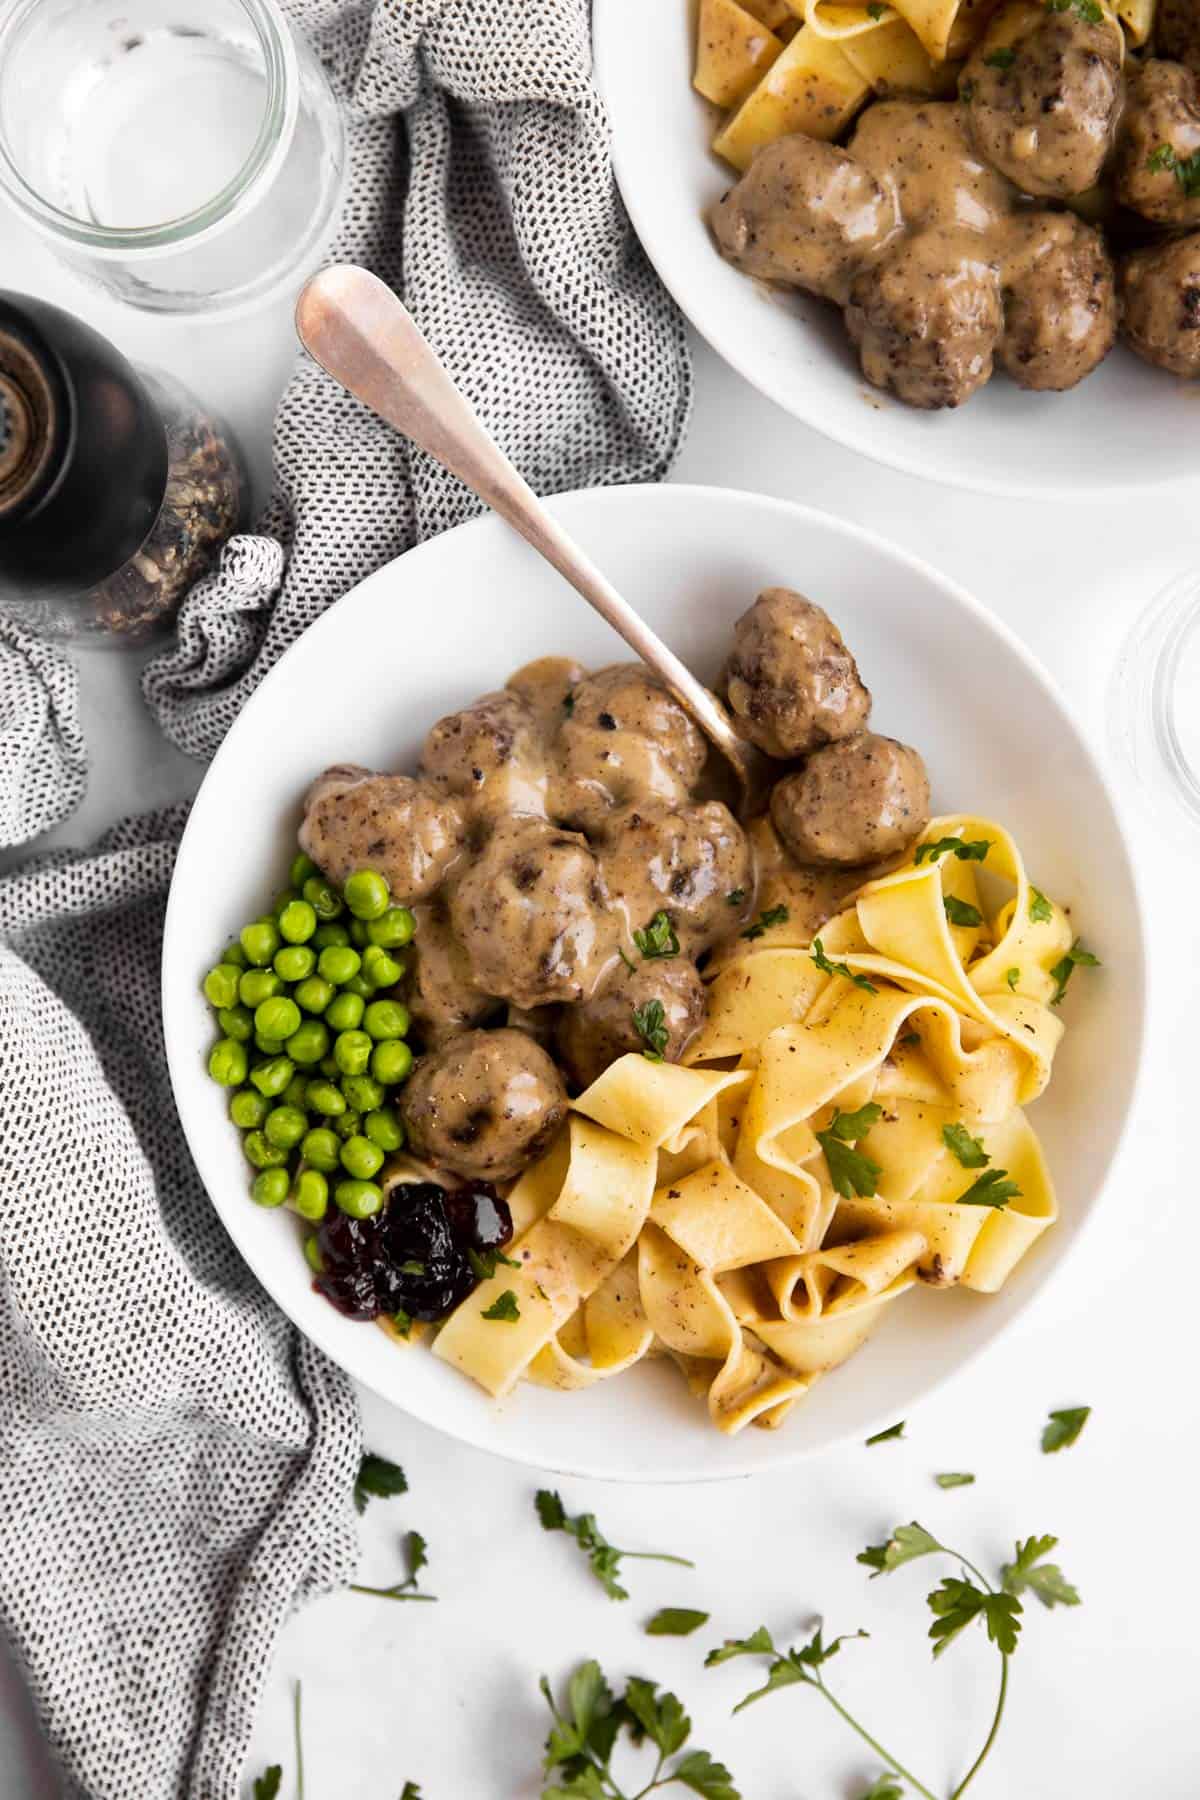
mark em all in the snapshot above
pixel 83 453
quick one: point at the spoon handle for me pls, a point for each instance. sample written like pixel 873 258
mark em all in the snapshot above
pixel 354 326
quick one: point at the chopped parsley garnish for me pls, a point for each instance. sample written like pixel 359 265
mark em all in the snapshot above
pixel 735 896
pixel 969 1151
pixel 849 1170
pixel 969 850
pixel 412 1268
pixel 1040 909
pixel 1186 169
pixel 676 1621
pixel 1076 957
pixel 650 1023
pixel 658 939
pixel 888 1436
pixel 402 1321
pixel 410 1791
pixel 627 960
pixel 1000 59
pixel 1088 10
pixel 954 1480
pixel 604 1558
pixel 485 1262
pixel 875 10
pixel 378 1479
pixel 993 1188
pixel 959 912
pixel 1064 1427
pixel 838 968
pixel 1012 976
pixel 774 915
pixel 504 1308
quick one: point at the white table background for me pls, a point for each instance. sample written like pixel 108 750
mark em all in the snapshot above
pixel 1104 1697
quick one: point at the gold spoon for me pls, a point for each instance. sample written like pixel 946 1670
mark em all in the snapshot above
pixel 354 326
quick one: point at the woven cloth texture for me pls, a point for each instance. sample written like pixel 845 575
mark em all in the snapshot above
pixel 176 1463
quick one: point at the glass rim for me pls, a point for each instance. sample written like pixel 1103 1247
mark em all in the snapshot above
pixel 267 152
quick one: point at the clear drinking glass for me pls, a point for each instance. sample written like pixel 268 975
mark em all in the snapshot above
pixel 187 155
pixel 1155 703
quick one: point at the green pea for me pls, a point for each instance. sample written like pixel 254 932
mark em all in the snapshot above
pixel 358 1199
pixel 349 1125
pixel 361 1158
pixel 367 894
pixel 272 1077
pixel 285 1126
pixel 321 1149
pixel 258 985
pixel 248 1109
pixel 312 1254
pixel 345 1012
pixel 338 963
pixel 296 1091
pixel 260 941
pixel 237 1022
pixel 302 867
pixel 295 962
pixel 277 1018
pixel 282 901
pixel 268 1045
pixel 271 1187
pixel 228 1062
pixel 359 986
pixel 386 1019
pixel 310 1196
pixel 358 933
pixel 327 934
pixel 233 953
pixel 391 1061
pixel 330 1070
pixel 314 994
pixel 221 985
pixel 393 930
pixel 352 1052
pixel 383 1127
pixel 297 921
pixel 362 1092
pixel 323 1097
pixel 379 969
pixel 262 1153
pixel 308 1044
pixel 324 899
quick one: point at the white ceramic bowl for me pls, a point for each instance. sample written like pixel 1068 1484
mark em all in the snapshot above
pixel 1108 435
pixel 451 620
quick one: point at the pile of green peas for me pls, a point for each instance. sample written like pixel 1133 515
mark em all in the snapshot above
pixel 312 1046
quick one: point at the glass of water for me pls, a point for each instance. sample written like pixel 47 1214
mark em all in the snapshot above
pixel 187 155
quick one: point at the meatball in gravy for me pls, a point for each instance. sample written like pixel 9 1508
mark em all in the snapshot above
pixel 354 819
pixel 593 1035
pixel 853 802
pixel 1160 305
pixel 485 1105
pixel 1160 131
pixel 791 681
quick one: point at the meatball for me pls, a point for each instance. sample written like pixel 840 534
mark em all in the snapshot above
pixel 927 319
pixel 790 680
pixel 853 802
pixel 1042 93
pixel 1060 311
pixel 625 741
pixel 805 213
pixel 921 147
pixel 491 750
pixel 530 914
pixel 1160 305
pixel 593 1035
pixel 355 820
pixel 1159 133
pixel 485 1105
pixel 438 985
pixel 1177 27
pixel 688 863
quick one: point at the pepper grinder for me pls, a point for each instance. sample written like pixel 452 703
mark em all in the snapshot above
pixel 117 489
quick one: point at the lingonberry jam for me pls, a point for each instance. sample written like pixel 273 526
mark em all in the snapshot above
pixel 412 1257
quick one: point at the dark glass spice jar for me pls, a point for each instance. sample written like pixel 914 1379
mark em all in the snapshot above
pixel 117 489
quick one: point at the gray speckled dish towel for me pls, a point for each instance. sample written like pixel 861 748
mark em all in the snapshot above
pixel 175 1462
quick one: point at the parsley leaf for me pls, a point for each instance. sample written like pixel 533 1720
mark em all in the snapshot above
pixel 906 1543
pixel 875 10
pixel 1063 1428
pixel 410 1791
pixel 1000 59
pixel 604 1558
pixel 774 915
pixel 699 1772
pixel 835 968
pixel 484 1263
pixel 503 1308
pixel 735 896
pixel 580 1745
pixel 675 1621
pixel 412 1268
pixel 993 1188
pixel 1061 973
pixel 849 1170
pixel 969 1150
pixel 802 1665
pixel 378 1479
pixel 1012 976
pixel 884 1787
pixel 960 913
pixel 954 1480
pixel 759 1643
pixel 1028 1569
pixel 957 1602
pixel 1040 909
pixel 417 1556
pixel 402 1321
pixel 1088 10
pixel 658 939
pixel 650 1023
pixel 883 1437
pixel 267 1785
pixel 974 850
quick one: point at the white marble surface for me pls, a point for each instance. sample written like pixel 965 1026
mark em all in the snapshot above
pixel 1104 1697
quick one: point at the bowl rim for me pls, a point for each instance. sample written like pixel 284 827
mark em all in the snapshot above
pixel 868 442
pixel 180 1050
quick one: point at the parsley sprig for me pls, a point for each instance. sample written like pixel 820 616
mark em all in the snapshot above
pixel 961 912
pixel 771 915
pixel 378 1479
pixel 658 938
pixel 850 1171
pixel 417 1556
pixel 266 1786
pixel 839 968
pixel 1076 958
pixel 604 1558
pixel 965 849
pixel 650 1023
pixel 582 1738
pixel 1186 169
